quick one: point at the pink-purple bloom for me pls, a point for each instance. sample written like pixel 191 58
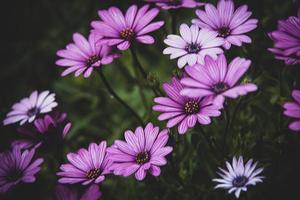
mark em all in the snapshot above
pixel 83 56
pixel 183 111
pixel 238 176
pixel 63 192
pixel 292 109
pixel 175 4
pixel 30 107
pixel 86 166
pixel 287 40
pixel 49 130
pixel 142 151
pixel 18 166
pixel 228 23
pixel 193 45
pixel 218 79
pixel 121 30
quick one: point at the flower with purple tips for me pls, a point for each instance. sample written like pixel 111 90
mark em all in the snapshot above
pixel 83 56
pixel 287 40
pixel 193 45
pixel 238 176
pixel 175 4
pixel 183 111
pixel 142 151
pixel 230 24
pixel 292 109
pixel 218 79
pixel 86 166
pixel 121 30
pixel 18 166
pixel 29 107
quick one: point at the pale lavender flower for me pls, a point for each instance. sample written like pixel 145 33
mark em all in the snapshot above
pixel 121 30
pixel 86 166
pixel 18 166
pixel 175 4
pixel 292 109
pixel 30 107
pixel 193 45
pixel 143 151
pixel 218 79
pixel 183 111
pixel 63 192
pixel 238 176
pixel 230 24
pixel 287 40
pixel 83 56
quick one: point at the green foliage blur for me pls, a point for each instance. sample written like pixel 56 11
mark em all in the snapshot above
pixel 35 29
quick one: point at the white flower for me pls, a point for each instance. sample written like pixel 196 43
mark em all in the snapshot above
pixel 238 176
pixel 193 45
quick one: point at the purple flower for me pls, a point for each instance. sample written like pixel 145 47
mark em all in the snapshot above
pixel 217 79
pixel 175 4
pixel 230 24
pixel 238 176
pixel 292 109
pixel 193 45
pixel 287 41
pixel 63 192
pixel 86 166
pixel 28 108
pixel 49 130
pixel 17 166
pixel 143 151
pixel 83 55
pixel 183 111
pixel 121 30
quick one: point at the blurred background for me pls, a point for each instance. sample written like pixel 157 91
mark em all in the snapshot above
pixel 33 30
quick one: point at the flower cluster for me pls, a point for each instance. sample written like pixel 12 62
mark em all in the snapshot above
pixel 200 93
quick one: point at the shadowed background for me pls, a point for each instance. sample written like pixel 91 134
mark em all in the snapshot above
pixel 32 32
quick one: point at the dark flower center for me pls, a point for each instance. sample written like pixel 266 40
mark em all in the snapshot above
pixel 93 59
pixel 224 31
pixel 14 175
pixel 220 87
pixel 127 34
pixel 142 158
pixel 191 107
pixel 93 173
pixel 193 48
pixel 240 181
pixel 33 111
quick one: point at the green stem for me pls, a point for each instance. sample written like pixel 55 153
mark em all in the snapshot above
pixel 173 22
pixel 227 115
pixel 113 93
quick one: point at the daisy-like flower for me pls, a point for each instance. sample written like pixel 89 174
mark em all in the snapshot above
pixel 217 79
pixel 143 151
pixel 175 4
pixel 82 56
pixel 193 45
pixel 86 166
pixel 292 109
pixel 184 111
pixel 238 176
pixel 63 192
pixel 121 30
pixel 28 108
pixel 287 41
pixel 49 131
pixel 228 23
pixel 18 166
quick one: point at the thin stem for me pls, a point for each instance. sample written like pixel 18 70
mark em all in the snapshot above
pixel 113 93
pixel 227 115
pixel 173 22
pixel 156 91
pixel 206 137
